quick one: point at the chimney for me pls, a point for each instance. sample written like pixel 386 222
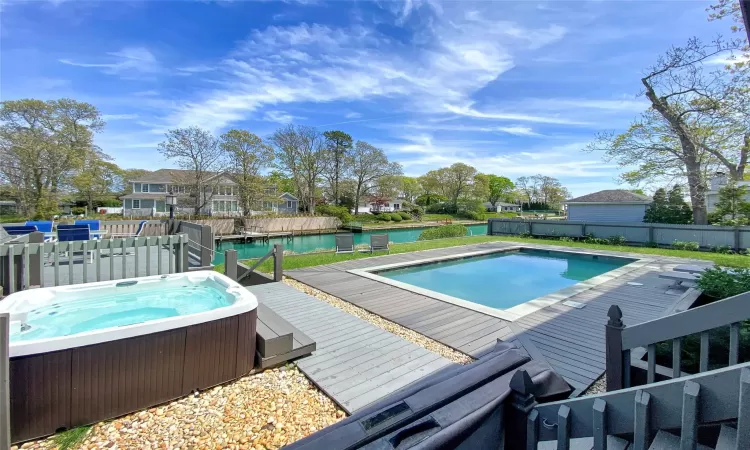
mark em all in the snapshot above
pixel 718 181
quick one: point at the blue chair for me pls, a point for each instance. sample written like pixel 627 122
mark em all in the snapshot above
pixel 137 233
pixel 94 225
pixel 68 233
pixel 45 226
pixel 19 230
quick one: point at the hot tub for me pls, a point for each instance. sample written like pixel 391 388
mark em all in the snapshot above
pixel 84 353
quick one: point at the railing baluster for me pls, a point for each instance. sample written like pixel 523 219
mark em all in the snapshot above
pixel 26 267
pixel 734 343
pixel 56 251
pixel 148 256
pixel 135 250
pixel 626 369
pixel 704 351
pixel 600 424
pixel 563 428
pixel 642 431
pixel 676 357
pixel 70 262
pixel 111 259
pixel 85 245
pixel 172 253
pixel 41 264
pixel 124 259
pixel 11 270
pixel 743 412
pixel 651 373
pixel 159 243
pixel 98 256
pixel 532 430
pixel 689 435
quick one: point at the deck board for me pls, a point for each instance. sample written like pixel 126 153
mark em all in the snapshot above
pixel 355 363
pixel 570 340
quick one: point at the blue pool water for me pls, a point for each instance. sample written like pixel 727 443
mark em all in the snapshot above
pixel 305 244
pixel 504 280
pixel 120 306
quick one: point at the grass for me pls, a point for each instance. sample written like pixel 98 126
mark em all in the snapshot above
pixel 317 259
pixel 68 440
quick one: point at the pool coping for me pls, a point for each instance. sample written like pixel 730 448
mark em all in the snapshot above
pixel 518 311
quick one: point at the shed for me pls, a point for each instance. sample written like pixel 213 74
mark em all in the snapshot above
pixel 612 205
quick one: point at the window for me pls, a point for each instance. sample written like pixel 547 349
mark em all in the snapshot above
pixel 395 206
pixel 136 204
pixel 289 204
pixel 144 187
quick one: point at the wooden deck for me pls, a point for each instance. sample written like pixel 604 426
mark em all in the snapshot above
pixel 570 340
pixel 355 363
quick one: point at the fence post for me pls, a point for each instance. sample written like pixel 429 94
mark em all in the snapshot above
pixel 736 239
pixel 35 276
pixel 521 403
pixel 230 264
pixel 614 357
pixel 583 229
pixel 5 380
pixel 207 245
pixel 278 262
pixel 650 233
pixel 531 228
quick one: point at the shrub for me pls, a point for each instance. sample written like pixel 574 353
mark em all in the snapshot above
pixel 722 283
pixel 724 249
pixel 685 245
pixel 617 240
pixel 589 238
pixel 396 217
pixel 404 215
pixel 566 239
pixel 384 217
pixel 340 212
pixel 526 235
pixel 651 244
pixel 442 232
pixel 472 215
pixel 417 212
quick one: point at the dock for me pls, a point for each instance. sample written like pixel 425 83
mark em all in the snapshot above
pixel 252 236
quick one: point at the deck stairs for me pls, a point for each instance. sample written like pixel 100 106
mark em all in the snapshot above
pixel 707 411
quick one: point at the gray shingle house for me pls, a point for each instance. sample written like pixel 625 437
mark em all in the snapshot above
pixel 612 205
pixel 502 207
pixel 148 196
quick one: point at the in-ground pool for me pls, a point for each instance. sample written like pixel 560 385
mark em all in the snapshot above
pixel 309 243
pixel 84 353
pixel 497 280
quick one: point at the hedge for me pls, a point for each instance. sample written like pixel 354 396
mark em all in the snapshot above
pixel 442 232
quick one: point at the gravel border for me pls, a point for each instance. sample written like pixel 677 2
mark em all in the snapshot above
pixel 403 332
pixel 597 387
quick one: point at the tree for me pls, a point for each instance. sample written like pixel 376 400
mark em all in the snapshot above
pixel 246 155
pixel 500 189
pixel 430 186
pixel 732 203
pixel 131 175
pixel 369 164
pixel 456 181
pixel 668 207
pixel 410 188
pixel 301 153
pixel 527 187
pixel 480 189
pixel 199 154
pixel 98 180
pixel 339 148
pixel 42 145
pixel 282 182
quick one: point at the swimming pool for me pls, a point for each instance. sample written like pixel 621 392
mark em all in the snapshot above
pixel 309 243
pixel 501 282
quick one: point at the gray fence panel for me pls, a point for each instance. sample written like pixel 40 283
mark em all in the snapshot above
pixel 704 237
pixel 556 229
pixel 510 227
pixel 744 238
pixel 631 233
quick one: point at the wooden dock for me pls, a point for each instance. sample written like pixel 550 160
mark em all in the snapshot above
pixel 569 339
pixel 355 363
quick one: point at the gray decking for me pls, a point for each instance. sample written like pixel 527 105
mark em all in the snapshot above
pixel 356 363
pixel 570 340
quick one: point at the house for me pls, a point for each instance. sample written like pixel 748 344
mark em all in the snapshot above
pixel 502 207
pixel 379 206
pixel 719 180
pixel 148 197
pixel 612 205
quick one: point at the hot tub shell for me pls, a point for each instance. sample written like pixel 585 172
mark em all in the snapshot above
pixel 129 368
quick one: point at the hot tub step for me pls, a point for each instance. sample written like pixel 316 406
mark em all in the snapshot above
pixel 275 335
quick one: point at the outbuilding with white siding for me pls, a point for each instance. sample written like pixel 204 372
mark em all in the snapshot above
pixel 612 205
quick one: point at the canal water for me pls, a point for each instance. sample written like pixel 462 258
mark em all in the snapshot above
pixel 309 243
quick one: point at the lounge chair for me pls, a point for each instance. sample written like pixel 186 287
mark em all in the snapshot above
pixel 94 225
pixel 690 268
pixel 344 243
pixel 137 233
pixel 69 233
pixel 45 226
pixel 19 230
pixel 679 277
pixel 379 242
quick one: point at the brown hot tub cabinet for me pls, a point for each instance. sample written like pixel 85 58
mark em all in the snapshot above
pixel 64 389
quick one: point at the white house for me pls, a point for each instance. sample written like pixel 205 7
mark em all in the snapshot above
pixel 502 207
pixel 612 205
pixel 391 205
pixel 719 180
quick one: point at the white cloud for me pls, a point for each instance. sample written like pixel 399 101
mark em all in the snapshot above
pixel 195 69
pixel 469 111
pixel 728 59
pixel 108 117
pixel 278 117
pixel 352 115
pixel 128 59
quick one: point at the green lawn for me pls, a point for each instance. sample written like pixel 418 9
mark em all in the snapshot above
pixel 317 259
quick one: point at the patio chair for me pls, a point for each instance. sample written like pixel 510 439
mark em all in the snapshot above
pixel 19 230
pixel 679 277
pixel 45 226
pixel 69 233
pixel 344 243
pixel 137 233
pixel 379 242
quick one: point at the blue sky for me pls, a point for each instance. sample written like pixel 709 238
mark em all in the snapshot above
pixel 513 88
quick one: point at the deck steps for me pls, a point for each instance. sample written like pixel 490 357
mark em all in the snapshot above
pixel 278 340
pixel 587 443
pixel 727 438
pixel 668 441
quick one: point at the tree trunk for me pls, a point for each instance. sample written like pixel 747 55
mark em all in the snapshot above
pixel 356 200
pixel 697 191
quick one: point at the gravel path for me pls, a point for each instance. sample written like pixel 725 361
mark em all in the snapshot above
pixel 398 330
pixel 263 411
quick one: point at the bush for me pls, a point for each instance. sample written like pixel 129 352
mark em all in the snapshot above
pixel 442 232
pixel 724 249
pixel 396 217
pixel 591 239
pixel 383 217
pixel 685 245
pixel 404 215
pixel 651 244
pixel 472 215
pixel 617 240
pixel 340 212
pixel 722 283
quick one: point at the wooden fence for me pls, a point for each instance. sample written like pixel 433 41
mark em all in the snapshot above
pixel 201 244
pixel 31 264
pixel 246 275
pixel 637 233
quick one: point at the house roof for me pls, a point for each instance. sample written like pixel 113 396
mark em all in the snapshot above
pixel 611 196
pixel 168 176
pixel 145 195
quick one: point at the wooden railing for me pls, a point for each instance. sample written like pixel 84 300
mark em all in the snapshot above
pixel 621 340
pixel 635 414
pixel 201 243
pixel 247 274
pixel 43 264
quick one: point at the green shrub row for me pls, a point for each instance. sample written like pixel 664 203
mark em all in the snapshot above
pixel 393 217
pixel 443 232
